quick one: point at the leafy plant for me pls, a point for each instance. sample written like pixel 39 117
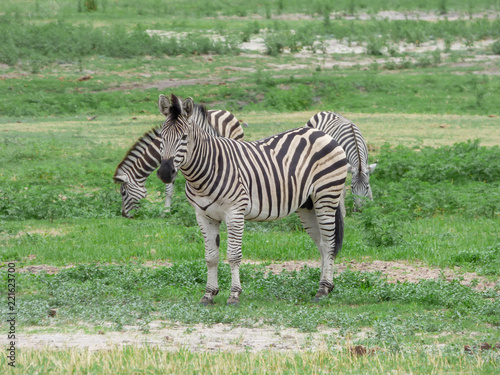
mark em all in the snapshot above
pixel 495 47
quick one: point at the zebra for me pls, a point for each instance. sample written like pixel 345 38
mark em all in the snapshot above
pixel 145 156
pixel 348 135
pixel 300 170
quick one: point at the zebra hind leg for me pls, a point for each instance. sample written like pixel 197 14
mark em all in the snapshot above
pixel 310 223
pixel 324 224
pixel 331 226
pixel 210 230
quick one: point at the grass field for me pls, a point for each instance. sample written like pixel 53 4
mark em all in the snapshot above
pixel 417 283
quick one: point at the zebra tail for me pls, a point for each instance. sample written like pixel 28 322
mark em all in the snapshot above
pixel 339 230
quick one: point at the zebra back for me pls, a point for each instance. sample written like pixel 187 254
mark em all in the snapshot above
pixel 346 133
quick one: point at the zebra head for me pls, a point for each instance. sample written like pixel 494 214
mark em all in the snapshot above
pixel 132 192
pixel 360 184
pixel 174 132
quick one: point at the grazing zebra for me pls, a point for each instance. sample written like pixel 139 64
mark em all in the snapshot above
pixel 348 135
pixel 145 156
pixel 301 170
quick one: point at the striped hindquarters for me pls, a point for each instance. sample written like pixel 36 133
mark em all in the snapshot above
pixel 226 124
pixel 346 133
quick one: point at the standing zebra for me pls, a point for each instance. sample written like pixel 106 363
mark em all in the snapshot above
pixel 301 170
pixel 145 156
pixel 348 135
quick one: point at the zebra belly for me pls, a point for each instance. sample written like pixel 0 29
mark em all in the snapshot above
pixel 266 216
pixel 268 211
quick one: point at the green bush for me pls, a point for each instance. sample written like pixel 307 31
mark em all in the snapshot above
pixel 59 41
pixel 281 38
pixel 460 179
pixel 298 98
pixel 495 47
pixel 462 162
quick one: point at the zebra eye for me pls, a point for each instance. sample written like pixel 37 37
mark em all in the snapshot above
pixel 184 137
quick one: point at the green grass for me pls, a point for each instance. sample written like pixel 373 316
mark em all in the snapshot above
pixel 434 90
pixel 152 8
pixel 440 242
pixel 360 299
pixel 425 199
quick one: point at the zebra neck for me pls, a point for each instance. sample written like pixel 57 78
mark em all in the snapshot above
pixel 135 170
pixel 200 166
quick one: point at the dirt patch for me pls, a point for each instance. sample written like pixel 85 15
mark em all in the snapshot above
pixel 197 338
pixel 48 232
pixel 51 270
pixel 171 83
pixel 395 271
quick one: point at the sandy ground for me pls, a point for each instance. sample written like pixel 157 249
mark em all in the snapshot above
pixel 194 338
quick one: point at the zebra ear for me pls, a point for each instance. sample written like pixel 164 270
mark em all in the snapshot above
pixel 120 178
pixel 188 106
pixel 371 167
pixel 163 104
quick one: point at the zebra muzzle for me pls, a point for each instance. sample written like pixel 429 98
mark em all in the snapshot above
pixel 166 173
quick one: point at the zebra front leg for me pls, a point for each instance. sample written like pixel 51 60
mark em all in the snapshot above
pixel 169 192
pixel 235 228
pixel 210 230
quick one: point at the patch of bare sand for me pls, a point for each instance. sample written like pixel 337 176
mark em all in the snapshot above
pixel 196 338
pixel 394 271
pixel 50 232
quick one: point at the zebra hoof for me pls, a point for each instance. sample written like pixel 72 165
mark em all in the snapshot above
pixel 320 296
pixel 233 301
pixel 205 301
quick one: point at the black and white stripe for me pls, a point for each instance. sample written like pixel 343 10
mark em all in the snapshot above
pixel 301 170
pixel 348 135
pixel 145 156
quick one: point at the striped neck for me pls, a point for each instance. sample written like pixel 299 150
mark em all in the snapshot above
pixel 201 161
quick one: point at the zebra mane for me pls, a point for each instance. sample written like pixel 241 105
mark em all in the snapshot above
pixel 137 150
pixel 175 107
pixel 200 110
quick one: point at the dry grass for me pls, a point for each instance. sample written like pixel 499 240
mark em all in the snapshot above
pixel 395 129
pixel 149 360
pixel 378 129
